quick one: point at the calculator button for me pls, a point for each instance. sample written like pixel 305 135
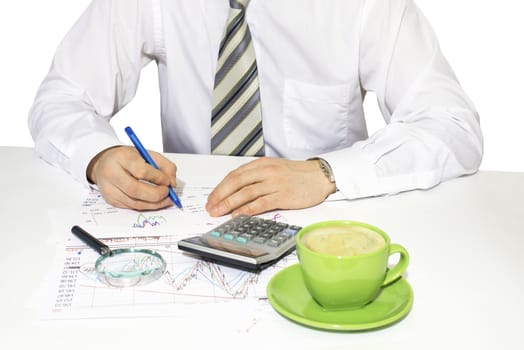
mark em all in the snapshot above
pixel 248 236
pixel 260 240
pixel 265 225
pixel 229 236
pixel 215 233
pixel 257 230
pixel 227 227
pixel 289 232
pixel 274 242
pixel 242 240
pixel 282 238
pixel 273 231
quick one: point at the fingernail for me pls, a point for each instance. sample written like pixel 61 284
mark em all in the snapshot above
pixel 214 210
pixel 220 209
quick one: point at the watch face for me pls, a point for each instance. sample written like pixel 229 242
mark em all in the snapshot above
pixel 326 169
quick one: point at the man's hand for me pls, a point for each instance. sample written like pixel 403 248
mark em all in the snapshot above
pixel 270 183
pixel 127 181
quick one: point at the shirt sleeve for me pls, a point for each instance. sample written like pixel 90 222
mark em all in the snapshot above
pixel 432 130
pixel 94 74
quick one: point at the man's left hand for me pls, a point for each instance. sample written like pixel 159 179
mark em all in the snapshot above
pixel 270 183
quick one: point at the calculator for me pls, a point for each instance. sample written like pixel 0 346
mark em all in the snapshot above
pixel 246 242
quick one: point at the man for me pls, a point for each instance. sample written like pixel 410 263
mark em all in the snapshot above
pixel 315 60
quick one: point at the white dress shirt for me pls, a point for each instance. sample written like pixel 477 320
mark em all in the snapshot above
pixel 316 59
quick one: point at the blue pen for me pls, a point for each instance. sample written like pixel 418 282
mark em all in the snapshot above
pixel 140 148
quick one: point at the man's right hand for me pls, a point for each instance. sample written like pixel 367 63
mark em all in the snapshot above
pixel 125 180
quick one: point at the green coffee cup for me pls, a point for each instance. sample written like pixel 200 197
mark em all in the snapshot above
pixel 345 263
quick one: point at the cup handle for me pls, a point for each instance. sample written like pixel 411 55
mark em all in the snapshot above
pixel 396 272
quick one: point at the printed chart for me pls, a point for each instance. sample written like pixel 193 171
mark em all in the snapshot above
pixel 75 292
pixel 187 280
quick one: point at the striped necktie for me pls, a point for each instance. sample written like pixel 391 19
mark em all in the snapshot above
pixel 236 122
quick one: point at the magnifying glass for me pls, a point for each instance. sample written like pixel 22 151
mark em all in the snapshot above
pixel 126 267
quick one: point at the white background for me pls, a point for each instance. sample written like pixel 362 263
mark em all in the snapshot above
pixel 480 39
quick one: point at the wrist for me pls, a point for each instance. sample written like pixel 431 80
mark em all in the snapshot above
pixel 91 169
pixel 327 172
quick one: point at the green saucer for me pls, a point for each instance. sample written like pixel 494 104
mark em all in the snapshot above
pixel 288 295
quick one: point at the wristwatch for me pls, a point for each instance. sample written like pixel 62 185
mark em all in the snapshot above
pixel 326 169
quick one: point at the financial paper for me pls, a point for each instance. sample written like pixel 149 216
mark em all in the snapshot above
pixel 75 292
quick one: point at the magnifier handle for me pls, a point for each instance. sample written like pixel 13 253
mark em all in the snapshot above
pixel 91 241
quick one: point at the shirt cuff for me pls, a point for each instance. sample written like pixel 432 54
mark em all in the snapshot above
pixel 354 171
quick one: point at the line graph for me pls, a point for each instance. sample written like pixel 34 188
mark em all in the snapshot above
pixel 143 221
pixel 187 280
pixel 232 285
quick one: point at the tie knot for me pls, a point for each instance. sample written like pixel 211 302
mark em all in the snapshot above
pixel 238 4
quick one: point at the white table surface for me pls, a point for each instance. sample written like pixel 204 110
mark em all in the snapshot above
pixel 465 238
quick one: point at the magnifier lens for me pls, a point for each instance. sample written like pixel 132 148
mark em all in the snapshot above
pixel 130 267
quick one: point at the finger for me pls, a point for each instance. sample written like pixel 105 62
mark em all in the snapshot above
pixel 141 190
pixel 143 205
pixel 115 196
pixel 235 181
pixel 260 205
pixel 257 163
pixel 141 170
pixel 278 198
pixel 166 166
pixel 248 173
pixel 243 197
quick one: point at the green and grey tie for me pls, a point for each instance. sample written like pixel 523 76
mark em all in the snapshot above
pixel 236 122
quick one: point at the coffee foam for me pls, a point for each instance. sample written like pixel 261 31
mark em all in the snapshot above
pixel 343 240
